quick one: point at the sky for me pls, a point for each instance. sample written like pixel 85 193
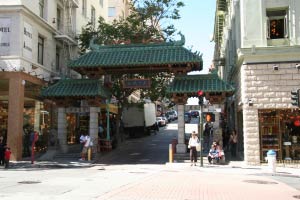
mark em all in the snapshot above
pixel 197 25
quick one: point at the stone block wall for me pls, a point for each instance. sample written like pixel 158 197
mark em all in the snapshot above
pixel 268 89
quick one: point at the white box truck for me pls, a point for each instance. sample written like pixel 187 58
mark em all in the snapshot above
pixel 139 119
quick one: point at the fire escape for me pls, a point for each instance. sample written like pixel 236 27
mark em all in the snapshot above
pixel 66 32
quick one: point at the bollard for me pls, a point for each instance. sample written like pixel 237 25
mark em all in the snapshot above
pixel 271 157
pixel 89 154
pixel 170 153
pixel 174 143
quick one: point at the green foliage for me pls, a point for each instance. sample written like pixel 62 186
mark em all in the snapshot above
pixel 148 20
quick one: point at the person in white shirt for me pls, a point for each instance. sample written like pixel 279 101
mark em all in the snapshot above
pixel 86 144
pixel 82 141
pixel 193 142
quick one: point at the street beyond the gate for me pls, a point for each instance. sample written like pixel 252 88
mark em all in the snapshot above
pixel 139 169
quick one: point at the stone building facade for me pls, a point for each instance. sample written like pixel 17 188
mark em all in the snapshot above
pixel 260 54
pixel 38 38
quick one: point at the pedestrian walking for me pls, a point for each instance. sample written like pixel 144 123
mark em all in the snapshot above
pixel 85 148
pixel 193 142
pixel 7 154
pixel 82 141
pixel 233 143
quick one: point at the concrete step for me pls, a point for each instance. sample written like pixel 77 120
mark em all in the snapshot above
pixel 67 156
pixel 185 157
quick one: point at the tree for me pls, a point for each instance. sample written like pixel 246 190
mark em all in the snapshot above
pixel 149 20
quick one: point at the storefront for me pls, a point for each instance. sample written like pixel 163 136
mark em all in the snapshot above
pixel 279 129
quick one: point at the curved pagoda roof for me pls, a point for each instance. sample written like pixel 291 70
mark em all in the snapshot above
pixel 213 87
pixel 76 88
pixel 137 58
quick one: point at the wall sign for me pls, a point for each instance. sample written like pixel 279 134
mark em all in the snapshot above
pixel 137 83
pixel 27 41
pixel 5 32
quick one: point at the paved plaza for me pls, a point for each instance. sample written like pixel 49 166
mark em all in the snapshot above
pixel 139 169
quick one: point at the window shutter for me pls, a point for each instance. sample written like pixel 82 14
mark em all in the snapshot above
pixel 268 28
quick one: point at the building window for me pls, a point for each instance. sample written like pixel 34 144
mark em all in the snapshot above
pixel 41 7
pixel 93 16
pixel 101 3
pixel 84 8
pixel 41 50
pixel 57 59
pixel 58 19
pixel 277 22
pixel 111 11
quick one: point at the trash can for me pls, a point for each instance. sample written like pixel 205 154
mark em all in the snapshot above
pixel 271 157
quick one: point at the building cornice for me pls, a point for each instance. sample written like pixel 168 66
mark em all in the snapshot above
pixel 24 10
pixel 269 54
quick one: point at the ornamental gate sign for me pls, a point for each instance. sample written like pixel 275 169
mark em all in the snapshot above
pixel 137 83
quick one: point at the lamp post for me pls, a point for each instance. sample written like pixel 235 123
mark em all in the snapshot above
pixel 201 135
pixel 200 94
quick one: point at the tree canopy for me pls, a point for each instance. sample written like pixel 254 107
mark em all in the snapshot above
pixel 148 21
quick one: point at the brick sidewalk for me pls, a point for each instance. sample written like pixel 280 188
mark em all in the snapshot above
pixel 193 183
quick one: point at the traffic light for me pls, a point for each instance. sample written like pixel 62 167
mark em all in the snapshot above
pixel 200 94
pixel 295 98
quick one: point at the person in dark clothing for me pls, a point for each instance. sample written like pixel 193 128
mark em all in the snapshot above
pixel 2 150
pixel 233 142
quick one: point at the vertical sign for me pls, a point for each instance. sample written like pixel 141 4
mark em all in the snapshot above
pixel 5 31
pixel 27 39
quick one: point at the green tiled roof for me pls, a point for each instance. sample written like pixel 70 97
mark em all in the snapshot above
pixel 135 55
pixel 194 83
pixel 76 88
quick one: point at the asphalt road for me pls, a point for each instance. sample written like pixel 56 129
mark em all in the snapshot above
pixel 153 149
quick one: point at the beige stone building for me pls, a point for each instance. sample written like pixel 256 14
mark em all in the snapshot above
pixel 257 48
pixel 38 38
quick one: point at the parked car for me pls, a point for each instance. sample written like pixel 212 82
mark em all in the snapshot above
pixel 160 121
pixel 187 117
pixel 174 112
pixel 166 120
pixel 194 113
pixel 166 115
pixel 171 115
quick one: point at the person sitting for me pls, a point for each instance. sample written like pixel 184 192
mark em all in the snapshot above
pixel 216 153
pixel 213 153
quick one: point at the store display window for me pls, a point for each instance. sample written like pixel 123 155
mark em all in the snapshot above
pixel 280 131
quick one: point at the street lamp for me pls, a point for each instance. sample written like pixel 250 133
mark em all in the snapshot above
pixel 200 94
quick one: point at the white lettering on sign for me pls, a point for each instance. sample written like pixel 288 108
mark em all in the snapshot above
pixel 27 45
pixel 5 31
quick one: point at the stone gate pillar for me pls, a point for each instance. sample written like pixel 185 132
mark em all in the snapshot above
pixel 15 117
pixel 93 126
pixel 62 129
pixel 181 147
